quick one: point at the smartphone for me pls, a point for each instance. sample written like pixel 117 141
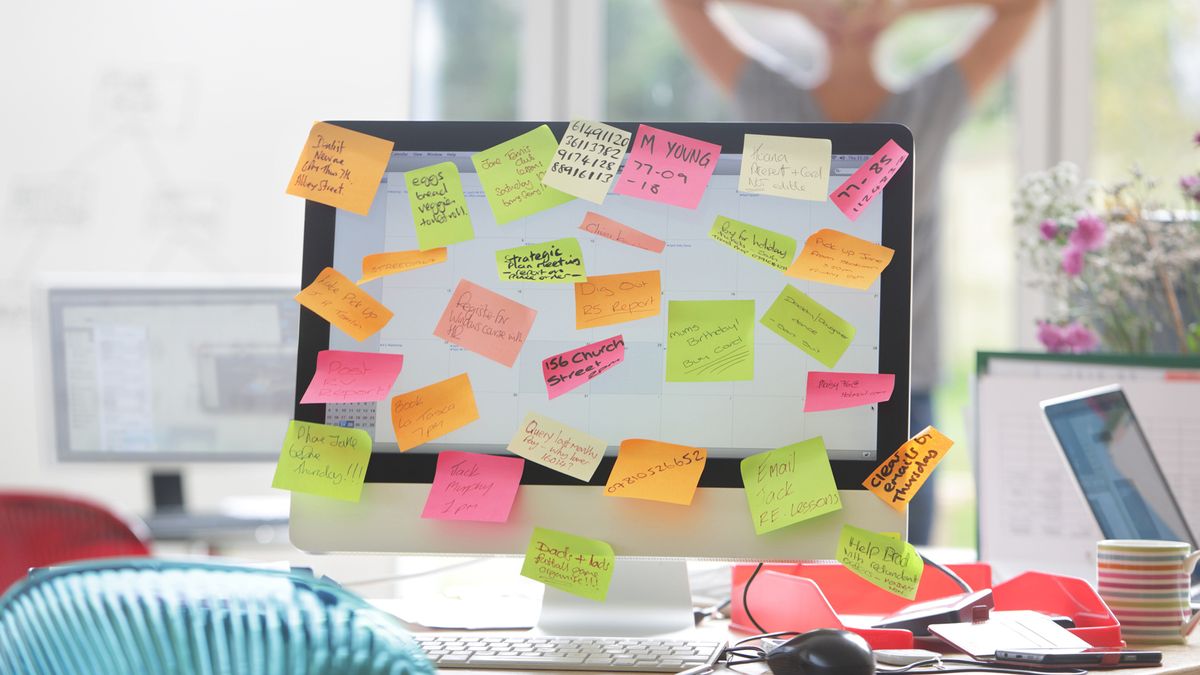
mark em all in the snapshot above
pixel 1104 657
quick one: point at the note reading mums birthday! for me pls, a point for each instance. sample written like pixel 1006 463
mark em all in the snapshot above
pixel 617 298
pixel 378 265
pixel 340 168
pixel 661 472
pixel 424 414
pixel 860 188
pixel 897 480
pixel 837 258
pixel 789 485
pixel 323 460
pixel 610 229
pixel 342 303
pixel 805 323
pixel 767 247
pixel 471 486
pixel 834 391
pixel 557 446
pixel 352 377
pixel 559 261
pixel 439 207
pixel 486 323
pixel 568 370
pixel 668 168
pixel 577 565
pixel 710 340
pixel 887 562
pixel 786 166
pixel 587 160
pixel 511 175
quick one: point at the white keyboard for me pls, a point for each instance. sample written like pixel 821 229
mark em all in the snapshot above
pixel 655 655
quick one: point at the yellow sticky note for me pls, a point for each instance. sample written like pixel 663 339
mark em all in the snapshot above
pixel 789 485
pixel 382 264
pixel 324 460
pixel 809 325
pixel 558 446
pixel 837 258
pixel 342 303
pixel 617 298
pixel 587 160
pixel 887 562
pixel 340 168
pixel 511 175
pixel 897 480
pixel 424 414
pixel 570 563
pixel 661 472
pixel 786 166
pixel 767 247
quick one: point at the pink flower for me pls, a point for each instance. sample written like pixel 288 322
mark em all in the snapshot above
pixel 1196 138
pixel 1072 260
pixel 1052 337
pixel 1049 229
pixel 1088 234
pixel 1080 338
pixel 1191 186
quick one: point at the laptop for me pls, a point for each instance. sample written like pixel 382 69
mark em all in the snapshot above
pixel 1115 468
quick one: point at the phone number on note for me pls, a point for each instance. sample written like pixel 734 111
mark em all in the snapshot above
pixel 689 457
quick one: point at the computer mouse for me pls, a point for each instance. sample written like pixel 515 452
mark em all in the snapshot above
pixel 824 651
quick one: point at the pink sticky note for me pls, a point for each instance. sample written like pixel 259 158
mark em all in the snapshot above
pixel 858 190
pixel 566 371
pixel 487 323
pixel 610 229
pixel 470 486
pixel 668 168
pixel 833 391
pixel 352 377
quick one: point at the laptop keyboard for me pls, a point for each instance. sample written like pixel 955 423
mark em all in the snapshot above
pixel 567 653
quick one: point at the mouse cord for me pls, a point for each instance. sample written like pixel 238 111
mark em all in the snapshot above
pixel 936 667
pixel 746 599
pixel 966 588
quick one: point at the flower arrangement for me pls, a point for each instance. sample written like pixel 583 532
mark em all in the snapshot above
pixel 1121 271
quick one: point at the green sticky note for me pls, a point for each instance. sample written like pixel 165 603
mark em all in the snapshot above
pixel 321 459
pixel 887 562
pixel 439 207
pixel 789 485
pixel 577 565
pixel 804 322
pixel 710 340
pixel 558 261
pixel 767 247
pixel 511 175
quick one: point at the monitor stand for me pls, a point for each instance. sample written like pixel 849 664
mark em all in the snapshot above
pixel 645 597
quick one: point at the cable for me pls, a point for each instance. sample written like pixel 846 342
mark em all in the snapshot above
pixel 966 588
pixel 746 599
pixel 971 667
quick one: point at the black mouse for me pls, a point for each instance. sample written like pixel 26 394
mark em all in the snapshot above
pixel 824 651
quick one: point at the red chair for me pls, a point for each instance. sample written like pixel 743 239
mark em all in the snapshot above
pixel 37 530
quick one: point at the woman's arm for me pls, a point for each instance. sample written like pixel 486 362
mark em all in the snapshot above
pixel 708 45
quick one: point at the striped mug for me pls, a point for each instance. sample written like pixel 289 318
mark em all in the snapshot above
pixel 1146 584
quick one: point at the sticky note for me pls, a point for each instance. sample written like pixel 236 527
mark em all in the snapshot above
pixel 342 303
pixel 587 160
pixel 661 472
pixel 340 168
pixel 557 446
pixel 421 415
pixel 378 265
pixel 857 191
pixel 603 226
pixel 439 207
pixel 570 563
pixel 834 391
pixel 668 168
pixel 323 460
pixel 471 486
pixel 486 323
pixel 710 340
pixel 786 166
pixel 767 247
pixel 617 298
pixel 558 261
pixel 352 377
pixel 889 563
pixel 789 485
pixel 568 370
pixel 511 175
pixel 897 480
pixel 805 323
pixel 837 258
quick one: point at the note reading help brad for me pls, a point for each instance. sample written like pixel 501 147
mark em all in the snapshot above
pixel 424 414
pixel 661 472
pixel 617 298
pixel 570 563
pixel 557 446
pixel 837 258
pixel 439 207
pixel 786 166
pixel 471 486
pixel 834 391
pixel 559 261
pixel 587 159
pixel 610 229
pixel 668 168
pixel 789 485
pixel 710 340
pixel 378 265
pixel 352 377
pixel 860 188
pixel 511 175
pixel 486 323
pixel 887 562
pixel 767 247
pixel 897 480
pixel 568 370
pixel 342 303
pixel 805 323
pixel 340 168
pixel 324 460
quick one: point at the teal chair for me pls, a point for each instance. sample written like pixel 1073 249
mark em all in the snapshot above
pixel 135 616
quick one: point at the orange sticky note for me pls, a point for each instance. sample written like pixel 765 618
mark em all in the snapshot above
pixel 382 264
pixel 617 298
pixel 487 323
pixel 610 229
pixel 424 414
pixel 837 258
pixel 342 303
pixel 661 472
pixel 340 168
pixel 898 479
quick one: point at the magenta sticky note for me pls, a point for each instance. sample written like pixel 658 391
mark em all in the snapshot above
pixel 568 370
pixel 352 377
pixel 860 188
pixel 668 168
pixel 471 486
pixel 833 391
